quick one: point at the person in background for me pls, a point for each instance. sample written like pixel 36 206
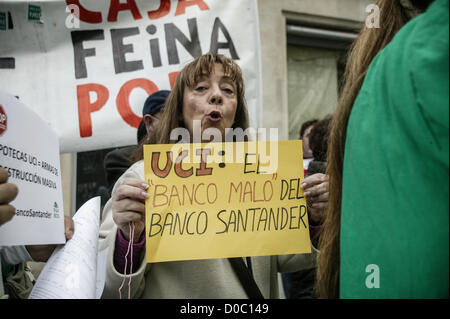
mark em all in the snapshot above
pixel 386 233
pixel 318 141
pixel 305 130
pixel 15 255
pixel 119 160
pixel 301 284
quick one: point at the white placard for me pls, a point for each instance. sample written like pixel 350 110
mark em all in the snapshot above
pixel 29 151
pixel 89 77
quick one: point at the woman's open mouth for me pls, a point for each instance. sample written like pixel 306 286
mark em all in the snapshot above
pixel 215 116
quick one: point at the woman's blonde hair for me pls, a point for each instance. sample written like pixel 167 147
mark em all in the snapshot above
pixel 393 16
pixel 189 76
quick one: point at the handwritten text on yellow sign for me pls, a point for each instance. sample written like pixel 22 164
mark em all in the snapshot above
pixel 205 203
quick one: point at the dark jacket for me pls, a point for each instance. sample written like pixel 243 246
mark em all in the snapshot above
pixel 116 163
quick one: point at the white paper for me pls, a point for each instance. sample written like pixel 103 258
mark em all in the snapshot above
pixel 71 271
pixel 29 151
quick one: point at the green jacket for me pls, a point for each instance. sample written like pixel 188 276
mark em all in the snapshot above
pixel 395 201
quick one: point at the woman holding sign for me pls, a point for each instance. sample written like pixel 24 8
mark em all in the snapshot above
pixel 209 91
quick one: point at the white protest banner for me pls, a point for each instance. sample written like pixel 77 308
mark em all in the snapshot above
pixel 29 151
pixel 89 77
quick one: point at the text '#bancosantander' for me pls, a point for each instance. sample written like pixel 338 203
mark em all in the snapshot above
pixel 33 213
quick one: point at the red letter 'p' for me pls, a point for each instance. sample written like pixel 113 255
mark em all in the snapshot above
pixel 85 107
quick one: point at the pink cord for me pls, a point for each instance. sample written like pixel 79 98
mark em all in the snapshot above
pixel 130 247
pixel 131 261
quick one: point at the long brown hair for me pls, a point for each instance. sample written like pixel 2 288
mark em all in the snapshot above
pixel 393 16
pixel 171 117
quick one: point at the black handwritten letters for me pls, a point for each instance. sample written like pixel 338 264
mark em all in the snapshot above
pixel 194 223
pixel 290 189
pixel 195 206
pixel 262 219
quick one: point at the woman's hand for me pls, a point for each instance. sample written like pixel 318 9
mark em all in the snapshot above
pixel 128 205
pixel 43 252
pixel 316 193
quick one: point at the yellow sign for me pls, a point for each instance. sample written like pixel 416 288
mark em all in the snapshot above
pixel 221 200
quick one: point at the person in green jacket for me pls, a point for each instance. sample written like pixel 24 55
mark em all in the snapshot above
pixel 387 228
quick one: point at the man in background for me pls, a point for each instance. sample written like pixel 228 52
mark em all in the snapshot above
pixel 305 131
pixel 118 161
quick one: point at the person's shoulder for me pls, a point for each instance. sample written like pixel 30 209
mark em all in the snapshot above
pixel 428 58
pixel 430 38
pixel 137 167
pixel 425 35
pixel 134 171
pixel 417 50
